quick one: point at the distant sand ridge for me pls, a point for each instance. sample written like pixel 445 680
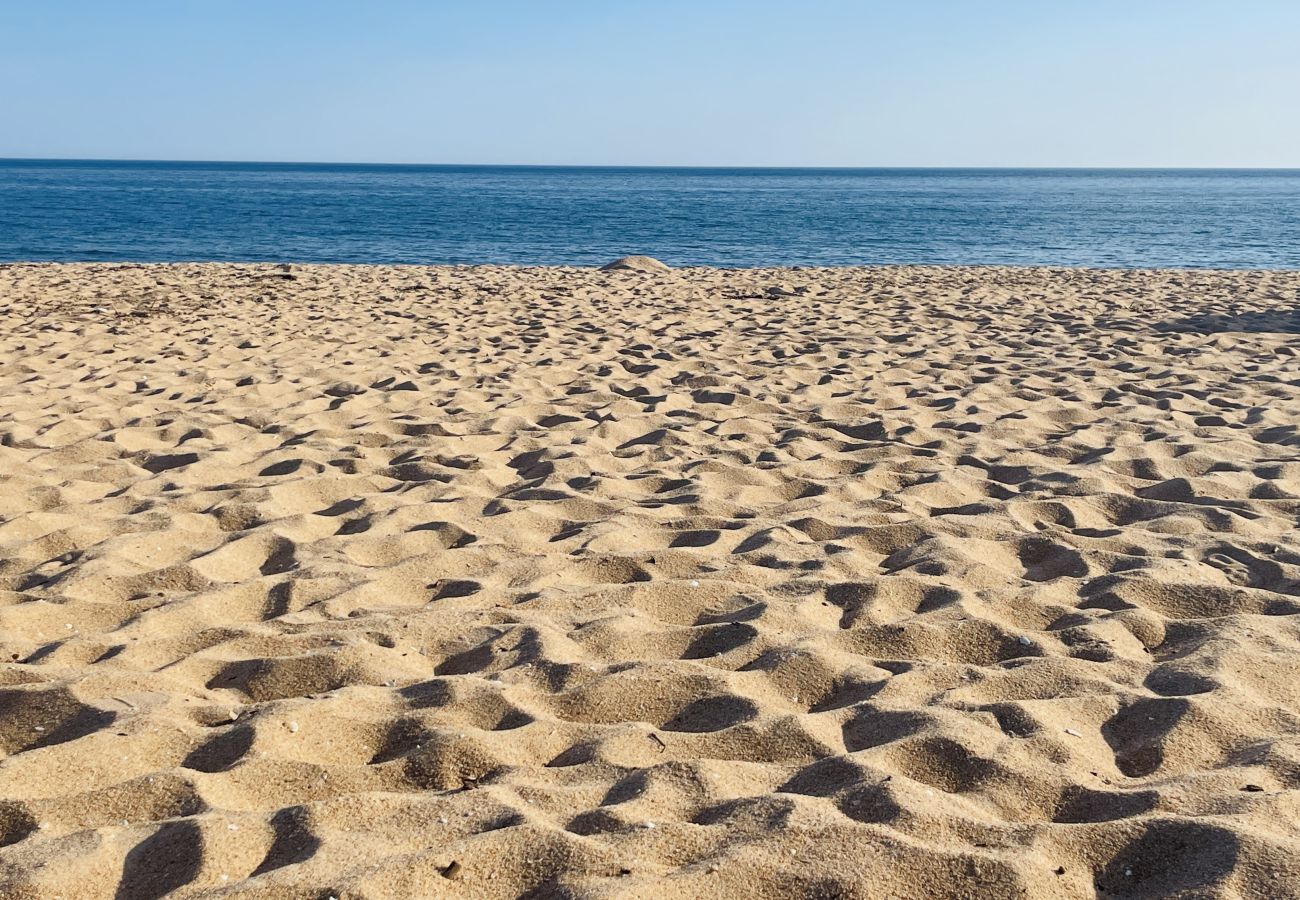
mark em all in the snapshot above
pixel 492 582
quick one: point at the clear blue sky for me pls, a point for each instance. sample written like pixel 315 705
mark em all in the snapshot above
pixel 670 82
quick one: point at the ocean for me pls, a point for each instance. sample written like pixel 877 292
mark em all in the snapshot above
pixel 60 210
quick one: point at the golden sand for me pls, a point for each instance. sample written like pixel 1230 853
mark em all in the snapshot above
pixel 373 582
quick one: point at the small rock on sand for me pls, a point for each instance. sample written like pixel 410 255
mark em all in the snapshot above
pixel 637 264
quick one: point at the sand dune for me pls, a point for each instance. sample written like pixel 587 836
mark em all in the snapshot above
pixel 492 582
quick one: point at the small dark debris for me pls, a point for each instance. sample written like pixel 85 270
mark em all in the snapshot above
pixel 452 870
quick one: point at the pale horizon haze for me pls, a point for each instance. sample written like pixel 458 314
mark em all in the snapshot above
pixel 819 83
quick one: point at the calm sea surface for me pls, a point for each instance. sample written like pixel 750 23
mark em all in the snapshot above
pixel 166 211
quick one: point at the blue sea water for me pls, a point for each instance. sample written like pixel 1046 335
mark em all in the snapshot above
pixel 173 211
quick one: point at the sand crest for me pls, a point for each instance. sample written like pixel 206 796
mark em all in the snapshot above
pixel 491 582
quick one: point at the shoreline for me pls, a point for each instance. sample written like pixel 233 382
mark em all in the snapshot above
pixel 902 268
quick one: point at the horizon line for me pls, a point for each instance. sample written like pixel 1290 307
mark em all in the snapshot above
pixel 654 166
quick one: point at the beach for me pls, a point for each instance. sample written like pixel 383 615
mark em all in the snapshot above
pixel 399 581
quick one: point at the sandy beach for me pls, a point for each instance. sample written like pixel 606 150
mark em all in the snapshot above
pixel 369 582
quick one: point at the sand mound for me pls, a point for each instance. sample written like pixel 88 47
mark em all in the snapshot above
pixel 488 582
pixel 636 264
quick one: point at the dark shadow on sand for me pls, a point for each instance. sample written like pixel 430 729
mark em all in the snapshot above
pixel 1275 321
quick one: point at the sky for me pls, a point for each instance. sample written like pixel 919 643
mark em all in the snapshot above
pixel 670 82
